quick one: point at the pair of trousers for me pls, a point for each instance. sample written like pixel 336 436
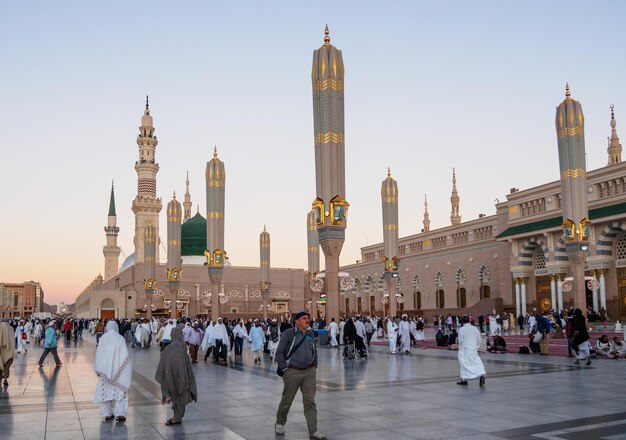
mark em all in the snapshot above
pixel 5 371
pixel 52 350
pixel 238 345
pixel 114 408
pixel 305 381
pixel 219 351
pixel 193 352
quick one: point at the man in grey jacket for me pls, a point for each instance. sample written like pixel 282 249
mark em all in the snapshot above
pixel 297 364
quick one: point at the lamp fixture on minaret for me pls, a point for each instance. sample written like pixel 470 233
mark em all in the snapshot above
pixel 146 206
pixel 615 148
pixel 570 130
pixel 174 259
pixel 455 217
pixel 215 253
pixel 265 283
pixel 111 250
pixel 389 196
pixel 149 282
pixel 330 205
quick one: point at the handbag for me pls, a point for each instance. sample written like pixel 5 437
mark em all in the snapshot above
pixel 24 336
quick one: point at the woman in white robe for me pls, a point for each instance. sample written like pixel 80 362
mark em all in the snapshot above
pixel 470 364
pixel 405 335
pixel 114 370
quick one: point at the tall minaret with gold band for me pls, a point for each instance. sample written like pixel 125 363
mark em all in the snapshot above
pixel 615 148
pixel 111 250
pixel 455 217
pixel 215 201
pixel 570 131
pixel 265 283
pixel 146 205
pixel 313 253
pixel 330 204
pixel 426 215
pixel 389 196
pixel 187 203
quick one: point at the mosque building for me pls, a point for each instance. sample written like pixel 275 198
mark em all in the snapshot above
pixel 552 246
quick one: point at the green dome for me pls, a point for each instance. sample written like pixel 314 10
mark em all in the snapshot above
pixel 193 236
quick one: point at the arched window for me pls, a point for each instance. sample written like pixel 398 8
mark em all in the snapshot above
pixel 620 247
pixel 540 258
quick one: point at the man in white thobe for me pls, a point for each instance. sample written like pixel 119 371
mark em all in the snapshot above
pixel 469 361
pixel 405 335
pixel 333 332
pixel 392 334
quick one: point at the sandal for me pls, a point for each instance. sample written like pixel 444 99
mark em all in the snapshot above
pixel 173 422
pixel 107 418
pixel 120 419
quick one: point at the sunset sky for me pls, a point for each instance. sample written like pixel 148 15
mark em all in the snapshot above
pixel 429 86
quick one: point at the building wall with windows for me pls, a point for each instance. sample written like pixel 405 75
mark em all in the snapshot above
pixel 21 299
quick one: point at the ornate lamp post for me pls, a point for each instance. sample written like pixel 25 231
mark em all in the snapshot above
pixel 389 196
pixel 215 253
pixel 174 260
pixel 570 129
pixel 149 282
pixel 264 243
pixel 330 206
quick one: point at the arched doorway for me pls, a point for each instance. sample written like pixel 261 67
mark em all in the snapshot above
pixel 107 309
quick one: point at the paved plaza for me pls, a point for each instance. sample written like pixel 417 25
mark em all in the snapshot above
pixel 385 397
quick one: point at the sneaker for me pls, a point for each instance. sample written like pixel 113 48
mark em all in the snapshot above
pixel 462 382
pixel 482 381
pixel 317 436
pixel 279 429
pixel 588 362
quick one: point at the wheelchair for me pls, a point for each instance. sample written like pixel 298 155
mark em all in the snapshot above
pixel 349 352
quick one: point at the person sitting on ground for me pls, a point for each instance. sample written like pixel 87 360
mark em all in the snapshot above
pixel 533 341
pixel 442 340
pixel 618 348
pixel 603 345
pixel 498 346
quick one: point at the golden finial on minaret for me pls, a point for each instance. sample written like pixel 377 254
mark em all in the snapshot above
pixel 147 105
pixel 197 209
pixel 174 196
pixel 388 171
pixel 264 228
pixel 215 151
pixel 326 36
pixel 567 93
pixel 612 114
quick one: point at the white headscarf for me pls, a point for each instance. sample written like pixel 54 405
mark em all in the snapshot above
pixel 112 359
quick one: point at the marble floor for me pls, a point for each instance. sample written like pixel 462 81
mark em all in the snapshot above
pixel 385 397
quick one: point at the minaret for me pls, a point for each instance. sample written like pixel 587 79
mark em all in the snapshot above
pixel 615 148
pixel 330 205
pixel 570 130
pixel 426 215
pixel 313 252
pixel 187 203
pixel 215 253
pixel 111 250
pixel 146 205
pixel 455 218
pixel 265 283
pixel 389 196
pixel 174 261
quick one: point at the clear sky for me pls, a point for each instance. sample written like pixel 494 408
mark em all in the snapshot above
pixel 429 86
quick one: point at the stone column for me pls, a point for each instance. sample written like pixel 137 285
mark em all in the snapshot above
pixel 559 292
pixel 553 292
pixel 518 303
pixel 602 289
pixel 523 295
